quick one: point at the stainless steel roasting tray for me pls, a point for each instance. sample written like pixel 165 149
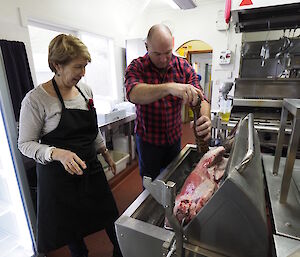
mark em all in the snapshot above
pixel 232 223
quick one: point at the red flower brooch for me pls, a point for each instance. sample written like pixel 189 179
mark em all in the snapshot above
pixel 90 103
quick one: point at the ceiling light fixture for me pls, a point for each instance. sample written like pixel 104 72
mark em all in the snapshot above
pixel 185 4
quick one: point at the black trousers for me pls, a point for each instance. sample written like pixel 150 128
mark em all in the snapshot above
pixel 154 159
pixel 78 248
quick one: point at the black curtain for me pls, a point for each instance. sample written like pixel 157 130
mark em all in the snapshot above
pixel 19 82
pixel 17 72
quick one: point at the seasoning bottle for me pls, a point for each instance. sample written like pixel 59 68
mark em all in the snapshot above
pixel 202 146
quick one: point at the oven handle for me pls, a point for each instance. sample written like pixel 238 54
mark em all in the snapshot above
pixel 250 153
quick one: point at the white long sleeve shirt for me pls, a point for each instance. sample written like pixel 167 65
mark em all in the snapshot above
pixel 40 114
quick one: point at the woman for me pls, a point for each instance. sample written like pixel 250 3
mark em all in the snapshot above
pixel 58 128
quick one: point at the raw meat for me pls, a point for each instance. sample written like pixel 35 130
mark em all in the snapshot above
pixel 200 185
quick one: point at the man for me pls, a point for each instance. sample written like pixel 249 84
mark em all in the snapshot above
pixel 158 84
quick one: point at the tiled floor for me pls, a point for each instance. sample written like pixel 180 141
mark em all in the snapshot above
pixel 125 192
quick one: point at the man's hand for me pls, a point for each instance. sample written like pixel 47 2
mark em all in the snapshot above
pixel 187 92
pixel 203 127
pixel 144 93
pixel 71 162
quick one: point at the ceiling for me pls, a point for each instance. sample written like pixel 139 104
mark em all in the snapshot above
pixel 158 5
pixel 139 6
pixel 163 4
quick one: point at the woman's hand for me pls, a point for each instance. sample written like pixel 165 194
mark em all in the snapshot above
pixel 110 162
pixel 105 153
pixel 71 162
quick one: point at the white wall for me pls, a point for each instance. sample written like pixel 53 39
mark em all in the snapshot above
pixel 11 29
pixel 99 17
pixel 134 48
pixel 198 24
pixel 120 20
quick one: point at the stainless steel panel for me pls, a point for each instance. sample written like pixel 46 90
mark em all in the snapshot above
pixel 286 216
pixel 252 50
pixel 267 88
pixel 267 114
pixel 282 16
pixel 236 212
pixel 257 102
pixel 137 238
pixel 293 106
pixel 196 251
pixel 283 54
pixel 140 229
pixel 251 68
pixel 289 106
pixel 296 179
pixel 286 247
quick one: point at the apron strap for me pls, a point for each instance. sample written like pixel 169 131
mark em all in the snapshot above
pixel 58 93
pixel 81 93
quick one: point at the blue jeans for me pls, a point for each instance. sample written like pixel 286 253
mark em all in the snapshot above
pixel 154 159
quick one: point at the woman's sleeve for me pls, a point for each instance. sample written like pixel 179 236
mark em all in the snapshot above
pixel 99 141
pixel 30 126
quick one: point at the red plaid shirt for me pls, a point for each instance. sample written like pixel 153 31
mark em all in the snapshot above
pixel 159 123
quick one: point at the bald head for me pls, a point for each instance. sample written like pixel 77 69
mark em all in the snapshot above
pixel 160 45
pixel 158 30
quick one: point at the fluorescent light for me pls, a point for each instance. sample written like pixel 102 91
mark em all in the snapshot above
pixel 185 4
pixel 172 4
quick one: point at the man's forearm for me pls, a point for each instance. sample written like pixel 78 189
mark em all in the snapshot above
pixel 148 93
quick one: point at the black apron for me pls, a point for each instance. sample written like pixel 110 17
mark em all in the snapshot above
pixel 71 207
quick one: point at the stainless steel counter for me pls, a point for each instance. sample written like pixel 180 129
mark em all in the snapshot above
pixel 127 121
pixel 291 106
pixel 286 216
pixel 113 124
pixel 282 176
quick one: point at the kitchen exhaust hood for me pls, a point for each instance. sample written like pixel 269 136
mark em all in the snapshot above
pixel 263 15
